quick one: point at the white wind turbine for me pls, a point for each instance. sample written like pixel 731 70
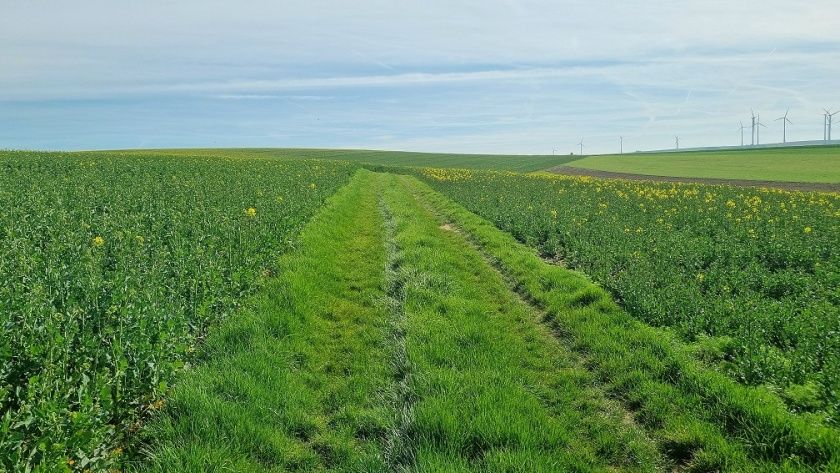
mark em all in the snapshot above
pixel 742 132
pixel 785 121
pixel 757 129
pixel 828 120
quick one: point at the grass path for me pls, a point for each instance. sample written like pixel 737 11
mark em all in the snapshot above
pixel 492 389
pixel 406 334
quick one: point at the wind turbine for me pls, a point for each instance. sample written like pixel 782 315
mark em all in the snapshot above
pixel 752 129
pixel 742 132
pixel 678 141
pixel 757 129
pixel 785 121
pixel 553 151
pixel 621 144
pixel 581 146
pixel 825 125
pixel 828 118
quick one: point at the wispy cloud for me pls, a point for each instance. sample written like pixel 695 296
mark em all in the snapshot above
pixel 525 75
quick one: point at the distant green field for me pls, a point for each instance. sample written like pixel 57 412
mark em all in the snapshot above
pixel 804 164
pixel 522 163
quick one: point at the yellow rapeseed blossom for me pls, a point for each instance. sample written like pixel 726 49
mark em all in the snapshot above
pixel 250 212
pixel 807 230
pixel 312 186
pixel 98 241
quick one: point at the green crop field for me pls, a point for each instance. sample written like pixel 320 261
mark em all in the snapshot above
pixel 796 164
pixel 224 310
pixel 112 271
pixel 523 163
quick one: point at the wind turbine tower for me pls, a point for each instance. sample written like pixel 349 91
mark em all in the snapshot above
pixel 752 129
pixel 785 121
pixel 742 132
pixel 677 138
pixel 621 144
pixel 757 129
pixel 828 118
pixel 825 125
pixel 581 146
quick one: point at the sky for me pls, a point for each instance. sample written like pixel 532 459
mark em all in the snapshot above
pixel 488 76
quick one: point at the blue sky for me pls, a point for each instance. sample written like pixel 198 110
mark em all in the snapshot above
pixel 463 76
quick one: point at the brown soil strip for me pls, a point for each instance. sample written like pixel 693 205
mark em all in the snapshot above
pixel 790 186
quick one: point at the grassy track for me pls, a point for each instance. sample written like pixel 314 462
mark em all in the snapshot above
pixel 389 344
pixel 522 163
pixel 805 164
pixel 491 389
pixel 407 334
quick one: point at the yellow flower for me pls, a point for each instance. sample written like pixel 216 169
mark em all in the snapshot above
pixel 250 212
pixel 98 241
pixel 312 185
pixel 140 240
pixel 807 230
pixel 554 214
pixel 701 276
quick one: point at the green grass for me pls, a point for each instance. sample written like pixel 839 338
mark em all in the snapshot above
pixel 491 389
pixel 523 163
pixel 795 164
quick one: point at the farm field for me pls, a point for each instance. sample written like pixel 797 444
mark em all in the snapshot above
pixel 185 312
pixel 522 163
pixel 818 164
pixel 113 270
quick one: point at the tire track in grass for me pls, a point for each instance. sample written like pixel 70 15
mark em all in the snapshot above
pixel 295 381
pixel 699 418
pixel 399 453
pixel 611 408
pixel 492 389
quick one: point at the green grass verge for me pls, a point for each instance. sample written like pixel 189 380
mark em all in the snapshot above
pixel 491 389
pixel 297 381
pixel 522 163
pixel 700 418
pixel 794 164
